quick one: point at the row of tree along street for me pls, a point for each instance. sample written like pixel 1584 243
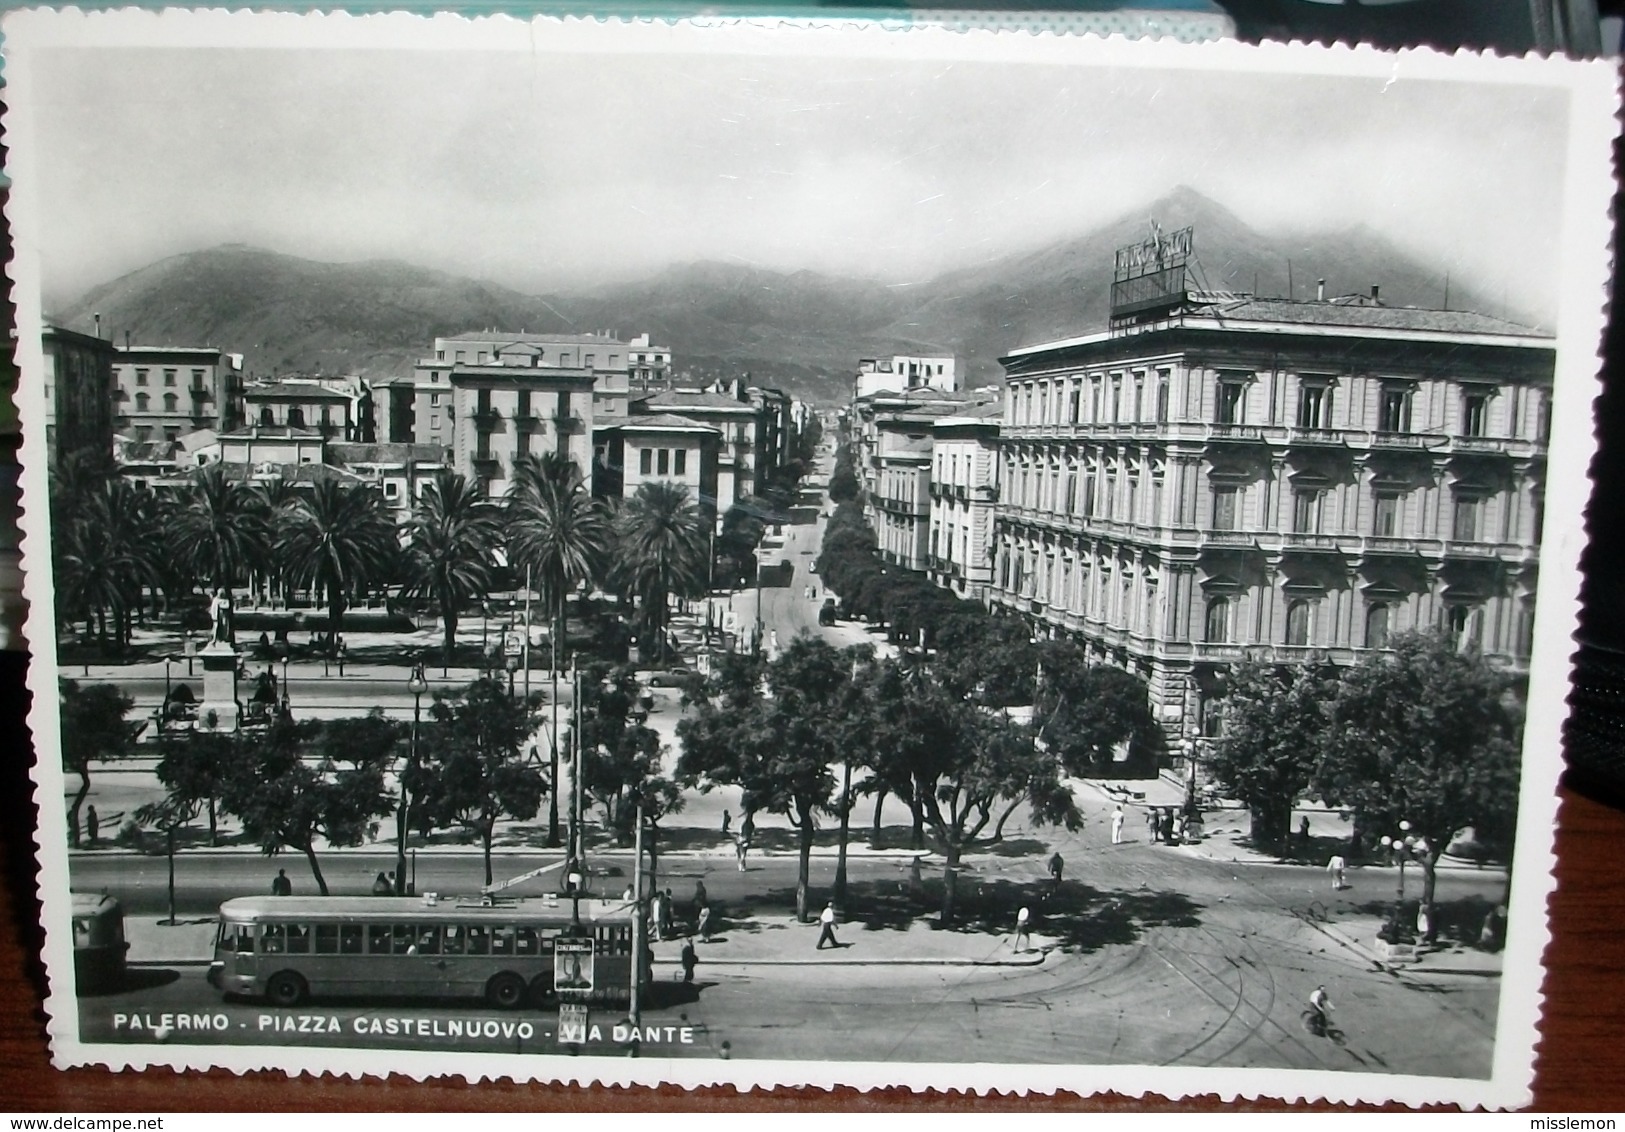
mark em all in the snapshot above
pixel 119 546
pixel 293 785
pixel 1420 732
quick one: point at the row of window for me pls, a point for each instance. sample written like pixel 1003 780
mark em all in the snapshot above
pixel 1114 403
pixel 170 375
pixel 296 417
pixel 534 354
pixel 663 461
pixel 1463 622
pixel 408 939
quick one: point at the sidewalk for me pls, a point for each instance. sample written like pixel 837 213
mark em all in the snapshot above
pixel 1359 935
pixel 779 941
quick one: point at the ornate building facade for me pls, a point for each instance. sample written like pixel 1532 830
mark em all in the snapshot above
pixel 1288 480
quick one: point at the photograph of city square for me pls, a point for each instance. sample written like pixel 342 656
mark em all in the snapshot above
pixel 762 555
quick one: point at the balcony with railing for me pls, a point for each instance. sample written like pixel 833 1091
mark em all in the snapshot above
pixel 1300 437
pixel 1389 546
pixel 1241 433
pixel 568 424
pixel 1309 541
pixel 1403 441
pixel 486 418
pixel 1246 540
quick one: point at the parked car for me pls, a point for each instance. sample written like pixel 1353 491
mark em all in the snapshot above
pixel 826 612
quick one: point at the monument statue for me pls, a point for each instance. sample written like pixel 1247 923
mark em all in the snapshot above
pixel 220 615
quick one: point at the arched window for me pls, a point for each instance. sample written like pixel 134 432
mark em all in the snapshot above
pixel 267 419
pixel 141 402
pixel 170 402
pixel 1218 621
pixel 1300 622
pixel 296 417
pixel 1376 625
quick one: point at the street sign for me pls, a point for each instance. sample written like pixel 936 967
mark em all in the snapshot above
pixel 572 1023
pixel 572 966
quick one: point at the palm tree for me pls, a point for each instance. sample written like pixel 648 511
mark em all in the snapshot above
pixel 276 499
pixel 556 530
pixel 338 540
pixel 220 532
pixel 106 556
pixel 450 539
pixel 660 550
pixel 560 535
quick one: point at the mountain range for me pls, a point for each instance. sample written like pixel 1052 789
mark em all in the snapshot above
pixel 802 331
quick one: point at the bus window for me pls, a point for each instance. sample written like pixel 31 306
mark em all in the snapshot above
pixel 526 943
pixel 401 942
pixel 502 942
pixel 428 940
pixel 236 937
pixel 81 932
pixel 273 940
pixel 378 939
pixel 298 939
pixel 479 940
pixel 350 939
pixel 455 938
pixel 327 939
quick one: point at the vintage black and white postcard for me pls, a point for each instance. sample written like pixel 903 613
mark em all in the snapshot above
pixel 800 553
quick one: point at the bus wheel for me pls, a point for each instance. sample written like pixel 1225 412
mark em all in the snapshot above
pixel 505 991
pixel 286 988
pixel 541 989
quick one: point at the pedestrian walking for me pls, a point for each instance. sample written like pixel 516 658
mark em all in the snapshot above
pixel 381 886
pixel 689 960
pixel 741 847
pixel 1178 833
pixel 669 907
pixel 1117 825
pixel 915 884
pixel 93 824
pixel 1168 825
pixel 826 920
pixel 659 911
pixel 1303 830
pixel 702 925
pixel 699 896
pixel 747 828
pixel 1023 926
pixel 280 884
pixel 727 819
pixel 1335 867
pixel 1055 867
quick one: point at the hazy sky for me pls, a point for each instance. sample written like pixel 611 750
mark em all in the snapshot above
pixel 541 171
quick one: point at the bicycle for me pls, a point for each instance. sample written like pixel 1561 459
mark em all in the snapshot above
pixel 1321 1026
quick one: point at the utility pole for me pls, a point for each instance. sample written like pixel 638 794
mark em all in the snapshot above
pixel 634 1014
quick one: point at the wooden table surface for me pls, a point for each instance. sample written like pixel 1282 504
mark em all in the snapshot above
pixel 1581 1064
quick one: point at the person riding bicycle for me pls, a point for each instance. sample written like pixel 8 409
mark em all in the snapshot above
pixel 1322 1008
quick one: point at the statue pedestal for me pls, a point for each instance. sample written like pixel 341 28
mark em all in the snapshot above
pixel 219 710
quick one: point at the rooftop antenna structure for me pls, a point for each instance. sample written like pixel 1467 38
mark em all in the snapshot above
pixel 1447 290
pixel 1290 292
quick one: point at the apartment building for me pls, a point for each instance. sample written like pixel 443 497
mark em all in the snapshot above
pixel 78 394
pixel 165 392
pixel 419 409
pixel 1221 476
pixel 964 492
pixel 902 372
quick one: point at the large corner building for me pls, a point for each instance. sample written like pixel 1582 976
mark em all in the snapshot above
pixel 1220 476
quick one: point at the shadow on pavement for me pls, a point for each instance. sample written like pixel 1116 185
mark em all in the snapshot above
pixel 1080 917
pixel 137 979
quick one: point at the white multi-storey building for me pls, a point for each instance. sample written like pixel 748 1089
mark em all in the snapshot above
pixel 1235 477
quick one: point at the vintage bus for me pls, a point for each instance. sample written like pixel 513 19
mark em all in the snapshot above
pixel 99 946
pixel 287 948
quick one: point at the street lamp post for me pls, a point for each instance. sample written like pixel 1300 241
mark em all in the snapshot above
pixel 287 698
pixel 417 685
pixel 1404 848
